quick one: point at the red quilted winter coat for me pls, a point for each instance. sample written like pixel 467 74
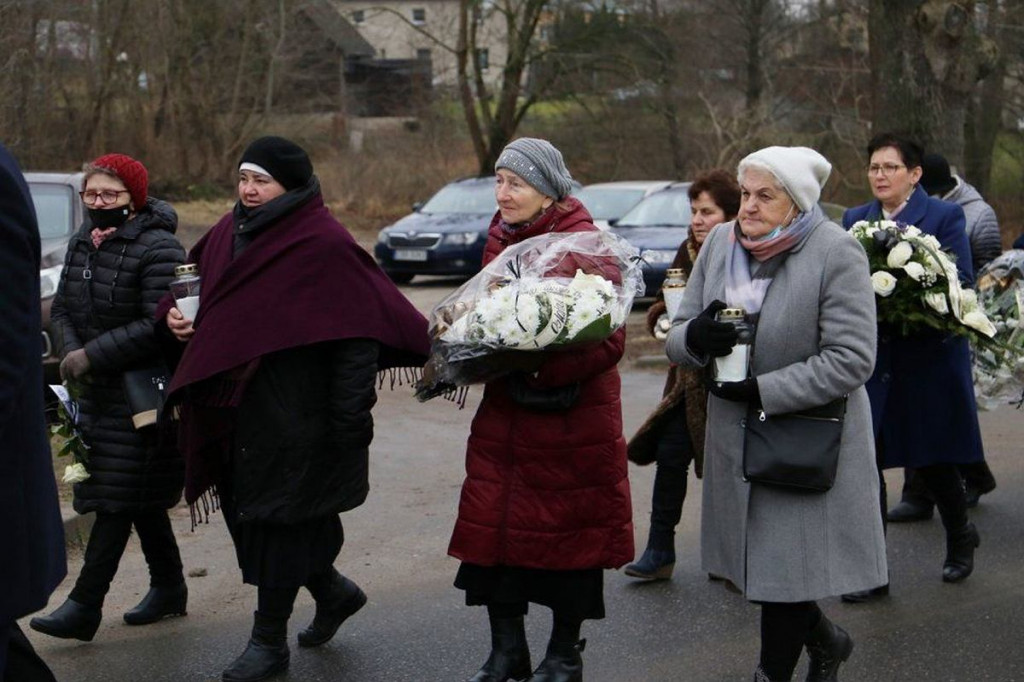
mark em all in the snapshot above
pixel 549 489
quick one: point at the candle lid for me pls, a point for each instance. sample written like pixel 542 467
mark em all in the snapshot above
pixel 731 314
pixel 186 269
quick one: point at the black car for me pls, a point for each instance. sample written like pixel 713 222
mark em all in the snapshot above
pixel 60 215
pixel 444 236
pixel 656 227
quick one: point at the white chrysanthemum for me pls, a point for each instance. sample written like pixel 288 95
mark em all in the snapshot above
pixel 914 270
pixel 899 255
pixel 591 299
pixel 583 282
pixel 582 315
pixel 937 302
pixel 883 283
pixel 75 473
pixel 977 320
pixel 912 231
pixel 528 311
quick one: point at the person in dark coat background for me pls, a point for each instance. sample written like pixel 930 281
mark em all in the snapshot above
pixel 31 535
pixel 983 234
pixel 116 271
pixel 276 382
pixel 545 506
pixel 922 394
pixel 673 434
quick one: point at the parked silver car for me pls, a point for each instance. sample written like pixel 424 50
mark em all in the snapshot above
pixel 609 201
pixel 60 215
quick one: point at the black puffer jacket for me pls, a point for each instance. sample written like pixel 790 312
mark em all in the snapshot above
pixel 304 432
pixel 105 304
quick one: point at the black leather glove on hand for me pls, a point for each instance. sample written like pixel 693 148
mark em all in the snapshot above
pixel 745 391
pixel 706 336
pixel 75 365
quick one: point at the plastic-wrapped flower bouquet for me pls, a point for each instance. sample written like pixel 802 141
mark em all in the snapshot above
pixel 999 377
pixel 73 445
pixel 550 291
pixel 917 286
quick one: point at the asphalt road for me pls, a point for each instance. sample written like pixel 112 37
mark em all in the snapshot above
pixel 416 628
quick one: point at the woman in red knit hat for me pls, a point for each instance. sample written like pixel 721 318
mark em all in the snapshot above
pixel 116 270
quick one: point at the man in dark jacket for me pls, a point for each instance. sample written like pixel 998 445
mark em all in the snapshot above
pixel 31 535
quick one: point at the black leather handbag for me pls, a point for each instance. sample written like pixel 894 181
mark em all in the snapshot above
pixel 557 399
pixel 796 450
pixel 145 391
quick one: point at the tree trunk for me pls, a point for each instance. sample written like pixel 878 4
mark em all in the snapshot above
pixel 926 57
pixel 985 111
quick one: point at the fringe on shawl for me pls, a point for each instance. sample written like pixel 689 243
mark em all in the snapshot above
pixel 206 504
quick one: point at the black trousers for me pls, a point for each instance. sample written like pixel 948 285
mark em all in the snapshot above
pixel 19 662
pixel 107 541
pixel 976 475
pixel 673 457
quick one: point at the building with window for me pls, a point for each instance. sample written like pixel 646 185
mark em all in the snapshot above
pixel 427 30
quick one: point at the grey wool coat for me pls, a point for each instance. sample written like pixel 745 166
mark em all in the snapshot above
pixel 815 342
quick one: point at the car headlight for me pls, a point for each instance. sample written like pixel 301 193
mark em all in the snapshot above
pixel 461 238
pixel 653 256
pixel 49 278
pixel 382 237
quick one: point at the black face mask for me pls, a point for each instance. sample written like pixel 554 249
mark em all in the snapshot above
pixel 109 217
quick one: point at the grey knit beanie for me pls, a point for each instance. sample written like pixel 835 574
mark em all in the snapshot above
pixel 801 171
pixel 538 163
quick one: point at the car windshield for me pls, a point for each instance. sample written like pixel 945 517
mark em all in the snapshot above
pixel 53 209
pixel 475 197
pixel 668 208
pixel 606 203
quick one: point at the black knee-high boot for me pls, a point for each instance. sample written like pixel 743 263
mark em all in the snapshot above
pixel 946 486
pixel 562 661
pixel 828 645
pixel 267 653
pixel 510 655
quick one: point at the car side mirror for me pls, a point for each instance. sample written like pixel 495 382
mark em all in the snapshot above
pixel 417 206
pixel 612 222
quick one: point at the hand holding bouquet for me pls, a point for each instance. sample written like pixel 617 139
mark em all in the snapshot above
pixel 547 292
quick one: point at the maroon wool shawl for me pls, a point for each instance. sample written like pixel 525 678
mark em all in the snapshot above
pixel 304 280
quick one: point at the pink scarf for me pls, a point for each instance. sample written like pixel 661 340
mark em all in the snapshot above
pixel 99 236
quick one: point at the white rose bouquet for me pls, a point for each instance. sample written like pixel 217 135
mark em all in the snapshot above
pixel 917 286
pixel 999 376
pixel 72 444
pixel 547 292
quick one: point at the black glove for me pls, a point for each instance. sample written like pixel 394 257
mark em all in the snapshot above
pixel 706 336
pixel 745 391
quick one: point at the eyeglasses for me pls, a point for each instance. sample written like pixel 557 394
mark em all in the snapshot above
pixel 887 169
pixel 108 196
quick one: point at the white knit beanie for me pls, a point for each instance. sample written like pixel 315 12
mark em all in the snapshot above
pixel 801 170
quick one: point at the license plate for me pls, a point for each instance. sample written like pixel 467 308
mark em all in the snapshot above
pixel 411 254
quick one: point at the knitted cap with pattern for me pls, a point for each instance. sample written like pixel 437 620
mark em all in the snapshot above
pixel 129 171
pixel 538 163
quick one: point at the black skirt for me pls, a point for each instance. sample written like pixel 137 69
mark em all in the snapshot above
pixel 282 556
pixel 575 595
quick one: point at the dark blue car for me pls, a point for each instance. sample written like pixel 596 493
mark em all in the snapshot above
pixel 444 236
pixel 656 227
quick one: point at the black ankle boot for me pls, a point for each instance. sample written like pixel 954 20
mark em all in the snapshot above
pixel 159 602
pixel 265 655
pixel 653 565
pixel 510 655
pixel 828 645
pixel 343 599
pixel 960 546
pixel 71 620
pixel 562 662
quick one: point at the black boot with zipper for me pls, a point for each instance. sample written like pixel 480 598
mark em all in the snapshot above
pixel 562 661
pixel 265 655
